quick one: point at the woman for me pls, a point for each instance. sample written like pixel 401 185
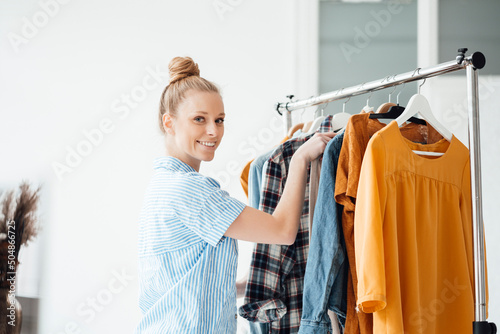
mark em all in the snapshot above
pixel 189 226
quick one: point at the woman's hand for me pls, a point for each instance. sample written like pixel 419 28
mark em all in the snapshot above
pixel 281 227
pixel 315 146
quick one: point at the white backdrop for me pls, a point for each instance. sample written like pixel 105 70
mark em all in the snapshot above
pixel 80 85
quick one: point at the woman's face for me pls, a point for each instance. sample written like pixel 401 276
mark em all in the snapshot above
pixel 198 127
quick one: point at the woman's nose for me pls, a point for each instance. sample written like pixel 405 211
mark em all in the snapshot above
pixel 211 129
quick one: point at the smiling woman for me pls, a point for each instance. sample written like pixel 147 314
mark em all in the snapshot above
pixel 197 129
pixel 188 225
pixel 192 113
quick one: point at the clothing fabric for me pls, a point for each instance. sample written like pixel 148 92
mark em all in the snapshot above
pixel 187 267
pixel 325 281
pixel 255 179
pixel 275 284
pixel 245 173
pixel 358 132
pixel 413 236
pixel 313 189
pixel 244 177
pixel 259 327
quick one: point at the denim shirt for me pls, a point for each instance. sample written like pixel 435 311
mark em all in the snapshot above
pixel 255 179
pixel 325 281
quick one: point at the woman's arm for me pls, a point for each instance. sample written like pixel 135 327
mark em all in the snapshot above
pixel 282 226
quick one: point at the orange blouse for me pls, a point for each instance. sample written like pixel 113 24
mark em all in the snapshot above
pixel 413 236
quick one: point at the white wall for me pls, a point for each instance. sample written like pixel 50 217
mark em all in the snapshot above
pixel 67 75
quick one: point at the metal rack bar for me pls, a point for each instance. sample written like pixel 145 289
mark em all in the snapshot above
pixel 375 85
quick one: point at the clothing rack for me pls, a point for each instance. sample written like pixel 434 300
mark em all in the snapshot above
pixel 471 64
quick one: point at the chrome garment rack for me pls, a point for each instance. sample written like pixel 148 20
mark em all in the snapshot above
pixel 471 64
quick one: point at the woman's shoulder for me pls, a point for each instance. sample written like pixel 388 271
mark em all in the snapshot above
pixel 184 182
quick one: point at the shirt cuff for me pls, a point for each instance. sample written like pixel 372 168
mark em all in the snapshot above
pixel 263 311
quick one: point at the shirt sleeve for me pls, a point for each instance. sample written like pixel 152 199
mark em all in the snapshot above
pixel 368 229
pixel 205 209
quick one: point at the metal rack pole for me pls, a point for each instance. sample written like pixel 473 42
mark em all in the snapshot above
pixel 480 325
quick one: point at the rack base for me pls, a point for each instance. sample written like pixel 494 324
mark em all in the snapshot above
pixel 484 327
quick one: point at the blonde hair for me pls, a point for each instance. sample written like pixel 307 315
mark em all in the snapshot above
pixel 184 75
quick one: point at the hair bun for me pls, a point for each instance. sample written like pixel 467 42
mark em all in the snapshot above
pixel 182 67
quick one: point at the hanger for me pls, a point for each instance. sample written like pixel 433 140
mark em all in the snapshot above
pixel 392 111
pixel 297 126
pixel 294 129
pixel 367 108
pixel 384 107
pixel 317 122
pixel 418 104
pixel 339 120
pixel 305 125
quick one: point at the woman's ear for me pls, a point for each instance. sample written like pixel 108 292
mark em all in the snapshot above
pixel 168 123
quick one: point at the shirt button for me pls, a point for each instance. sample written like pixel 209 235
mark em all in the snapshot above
pixel 236 316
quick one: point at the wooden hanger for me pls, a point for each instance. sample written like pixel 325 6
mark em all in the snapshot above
pixel 294 129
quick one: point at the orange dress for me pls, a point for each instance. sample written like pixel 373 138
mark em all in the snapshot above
pixel 413 236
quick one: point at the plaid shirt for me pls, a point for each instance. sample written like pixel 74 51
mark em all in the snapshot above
pixel 276 279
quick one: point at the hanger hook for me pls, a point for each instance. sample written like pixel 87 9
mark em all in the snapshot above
pixel 397 96
pixel 416 70
pixel 343 106
pixel 386 78
pixel 390 94
pixel 304 110
pixel 368 99
pixel 324 107
pixel 421 85
pixel 339 91
pixel 317 109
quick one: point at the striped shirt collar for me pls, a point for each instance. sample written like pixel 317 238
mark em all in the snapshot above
pixel 172 164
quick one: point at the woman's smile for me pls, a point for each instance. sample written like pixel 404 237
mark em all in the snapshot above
pixel 210 144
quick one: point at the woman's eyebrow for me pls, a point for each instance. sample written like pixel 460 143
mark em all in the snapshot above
pixel 204 112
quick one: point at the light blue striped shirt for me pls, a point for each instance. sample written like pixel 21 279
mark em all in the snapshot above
pixel 187 267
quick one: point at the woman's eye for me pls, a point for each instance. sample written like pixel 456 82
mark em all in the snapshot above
pixel 220 120
pixel 198 119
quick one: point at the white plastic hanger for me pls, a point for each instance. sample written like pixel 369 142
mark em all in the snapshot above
pixel 418 104
pixel 367 108
pixel 317 122
pixel 340 120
